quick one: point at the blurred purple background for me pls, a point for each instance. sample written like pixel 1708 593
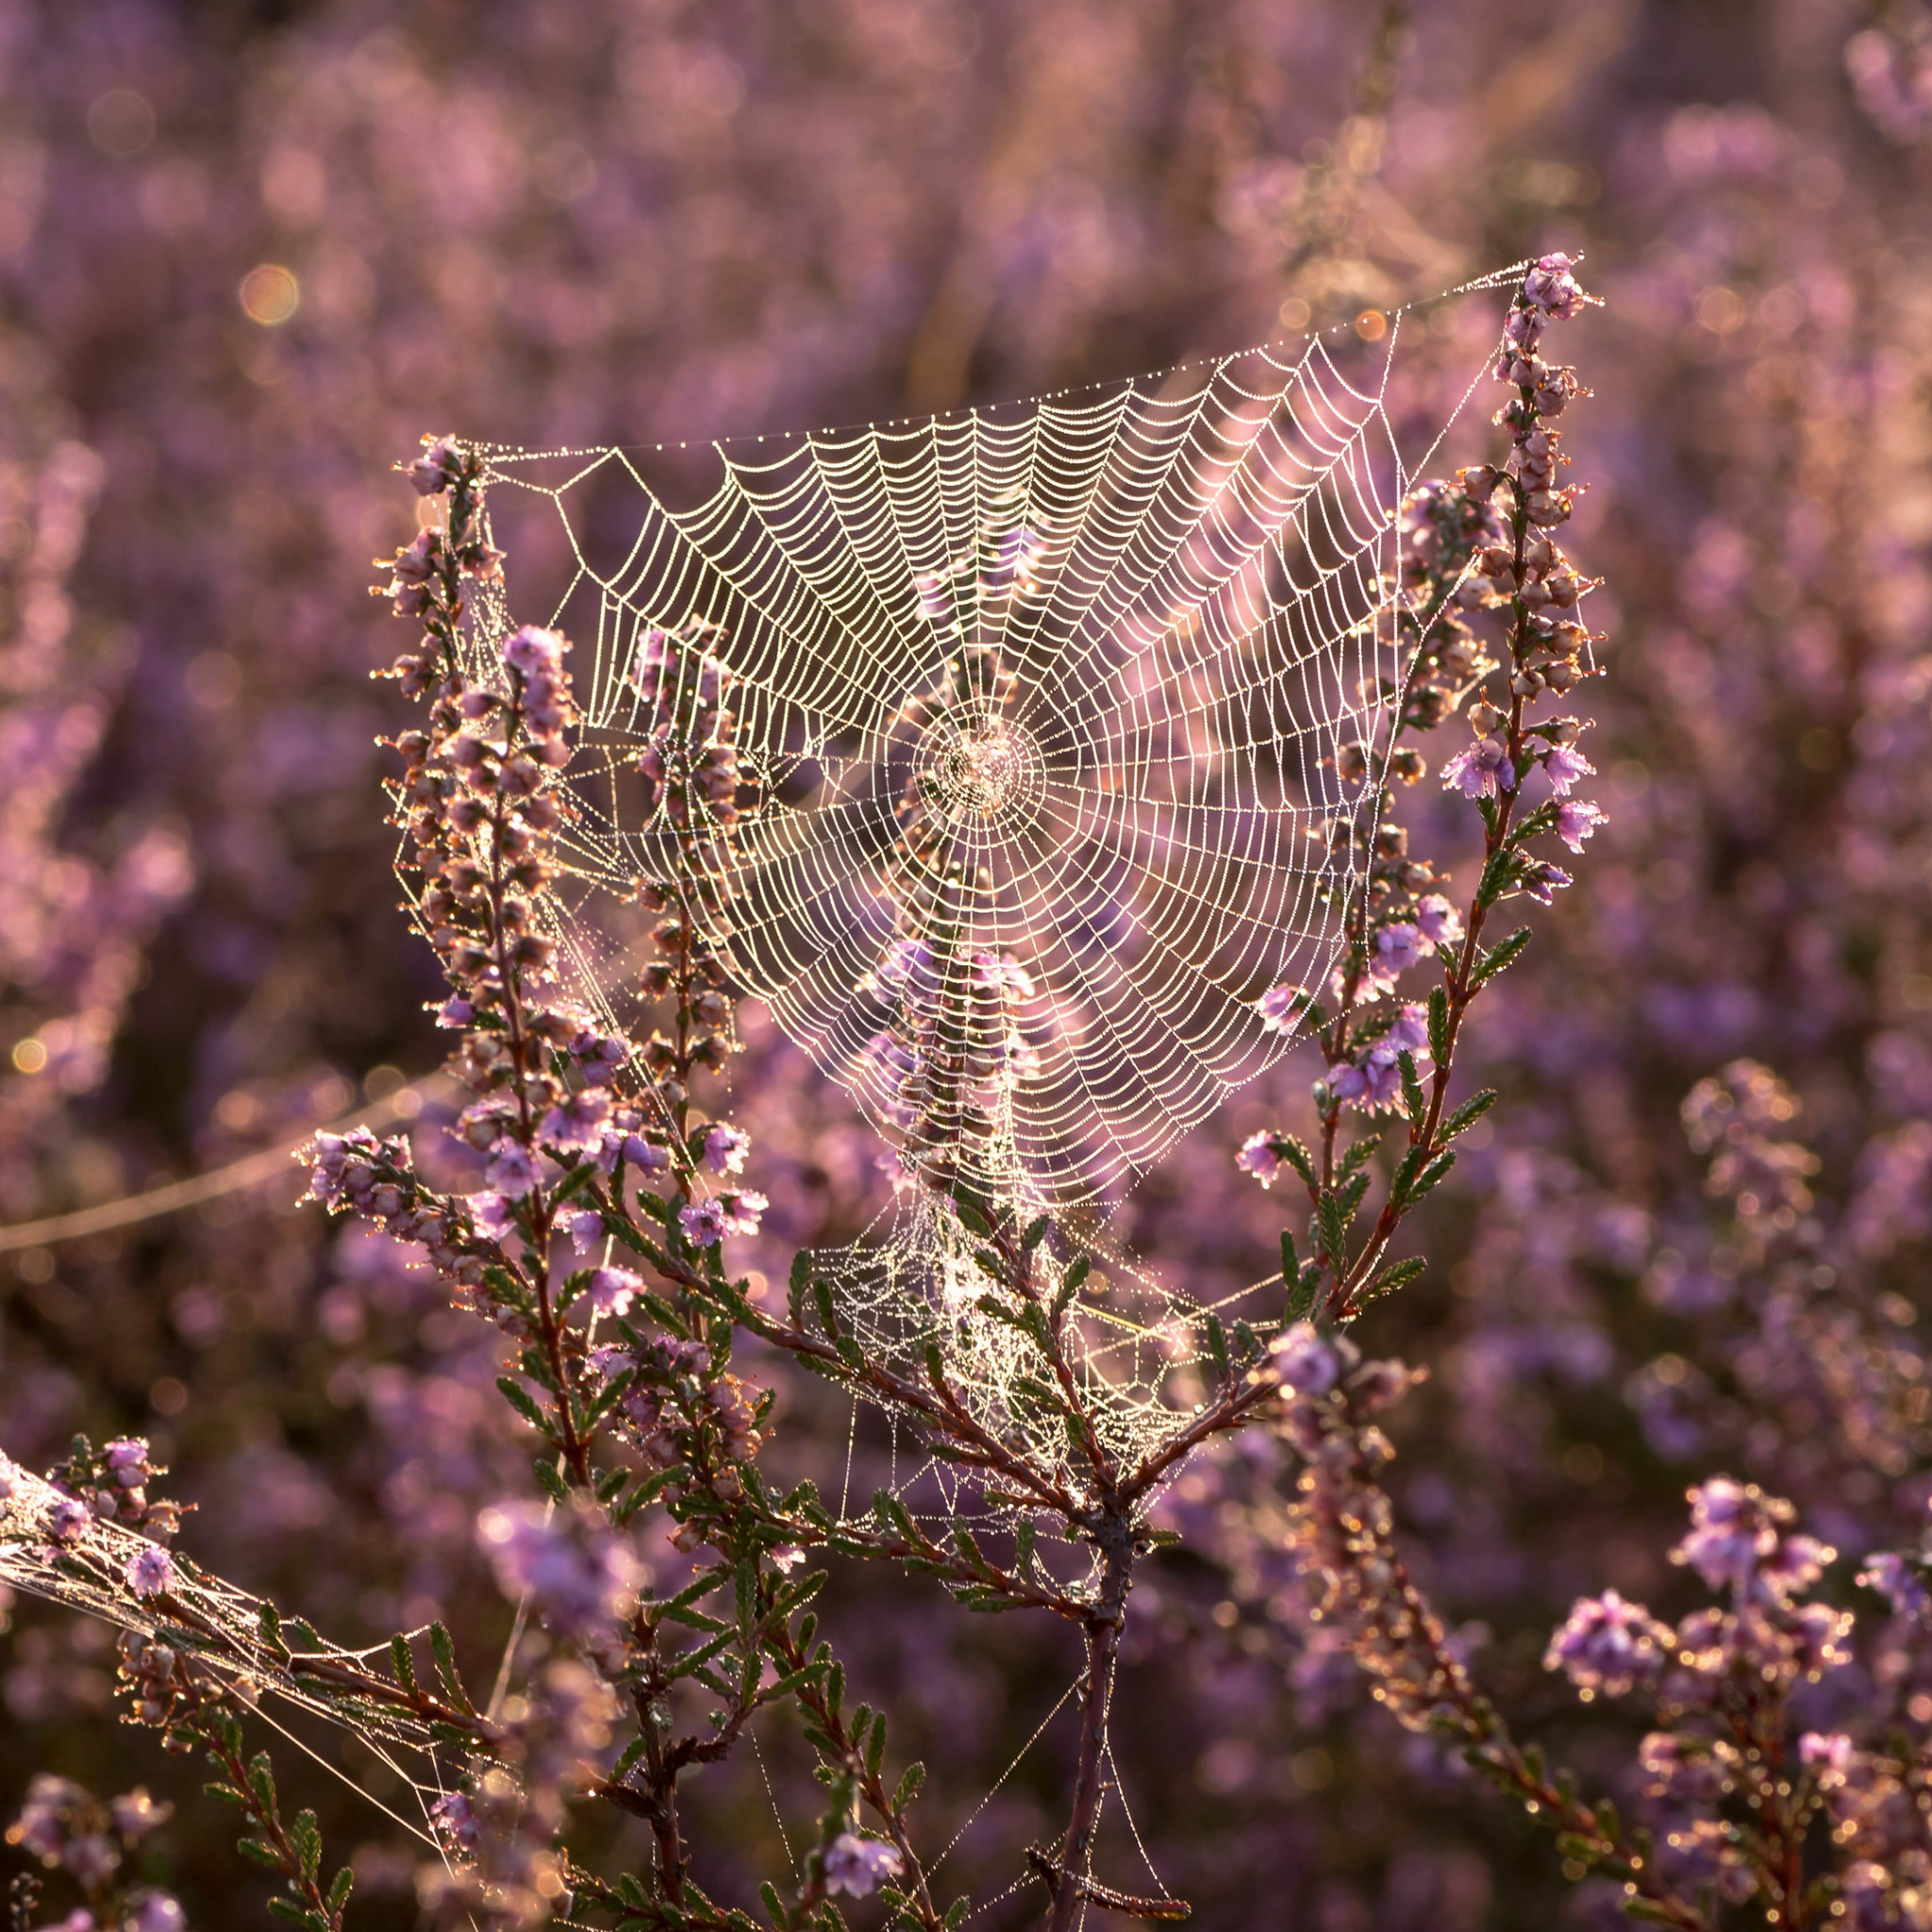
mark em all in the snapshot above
pixel 250 253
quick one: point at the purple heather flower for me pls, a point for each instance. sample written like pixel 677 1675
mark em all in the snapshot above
pixel 437 468
pixel 1818 1639
pixel 1376 1080
pixel 1438 921
pixel 787 1559
pixel 1550 287
pixel 742 1212
pixel 726 1148
pixel 610 1290
pixel 150 1572
pixel 581 1576
pixel 857 1865
pixel 512 1170
pixel 1730 1532
pixel 1259 1158
pixel 416 563
pixel 41 1826
pixel 1576 818
pixel 1901 1579
pixel 1543 882
pixel 1410 1032
pixel 156 1912
pixel 1280 1006
pixel 454 1820
pixel 703 1223
pixel 492 1213
pixel 329 1157
pixel 1398 946
pixel 600 1055
pixel 1826 1751
pixel 126 1453
pixel 645 1155
pixel 1796 1564
pixel 1350 1085
pixel 1305 1362
pixel 135 1814
pixel 1566 764
pixel 532 650
pixel 576 1125
pixel 1482 771
pixel 12 1480
pixel 455 1014
pixel 585 1227
pixel 67 1519
pixel 1608 1644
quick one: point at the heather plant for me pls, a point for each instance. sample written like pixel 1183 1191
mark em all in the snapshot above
pixel 564 1162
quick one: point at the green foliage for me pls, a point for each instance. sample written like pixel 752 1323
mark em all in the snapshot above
pixel 1470 1111
pixel 1500 955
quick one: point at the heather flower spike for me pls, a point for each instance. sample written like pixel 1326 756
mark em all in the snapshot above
pixel 1486 607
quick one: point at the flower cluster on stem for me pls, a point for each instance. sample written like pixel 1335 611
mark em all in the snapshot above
pixel 1484 609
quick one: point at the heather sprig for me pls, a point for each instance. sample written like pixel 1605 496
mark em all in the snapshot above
pixel 1791 1298
pixel 1735 1775
pixel 597 1245
pixel 1341 1531
pixel 1484 609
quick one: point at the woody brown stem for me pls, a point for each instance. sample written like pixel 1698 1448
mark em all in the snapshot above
pixel 1104 1623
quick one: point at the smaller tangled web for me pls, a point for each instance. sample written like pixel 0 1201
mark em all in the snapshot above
pixel 1132 1342
pixel 175 1613
pixel 1026 790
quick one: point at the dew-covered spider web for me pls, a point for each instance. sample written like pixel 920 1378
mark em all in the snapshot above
pixel 50 1551
pixel 1038 712
pixel 1035 714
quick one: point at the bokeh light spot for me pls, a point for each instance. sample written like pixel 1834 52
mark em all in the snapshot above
pixel 1371 325
pixel 29 1056
pixel 270 294
pixel 213 680
pixel 1721 310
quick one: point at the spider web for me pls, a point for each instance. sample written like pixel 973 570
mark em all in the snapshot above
pixel 86 1569
pixel 1038 711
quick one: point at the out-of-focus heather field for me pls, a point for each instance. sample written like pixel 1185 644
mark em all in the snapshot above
pixel 249 254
